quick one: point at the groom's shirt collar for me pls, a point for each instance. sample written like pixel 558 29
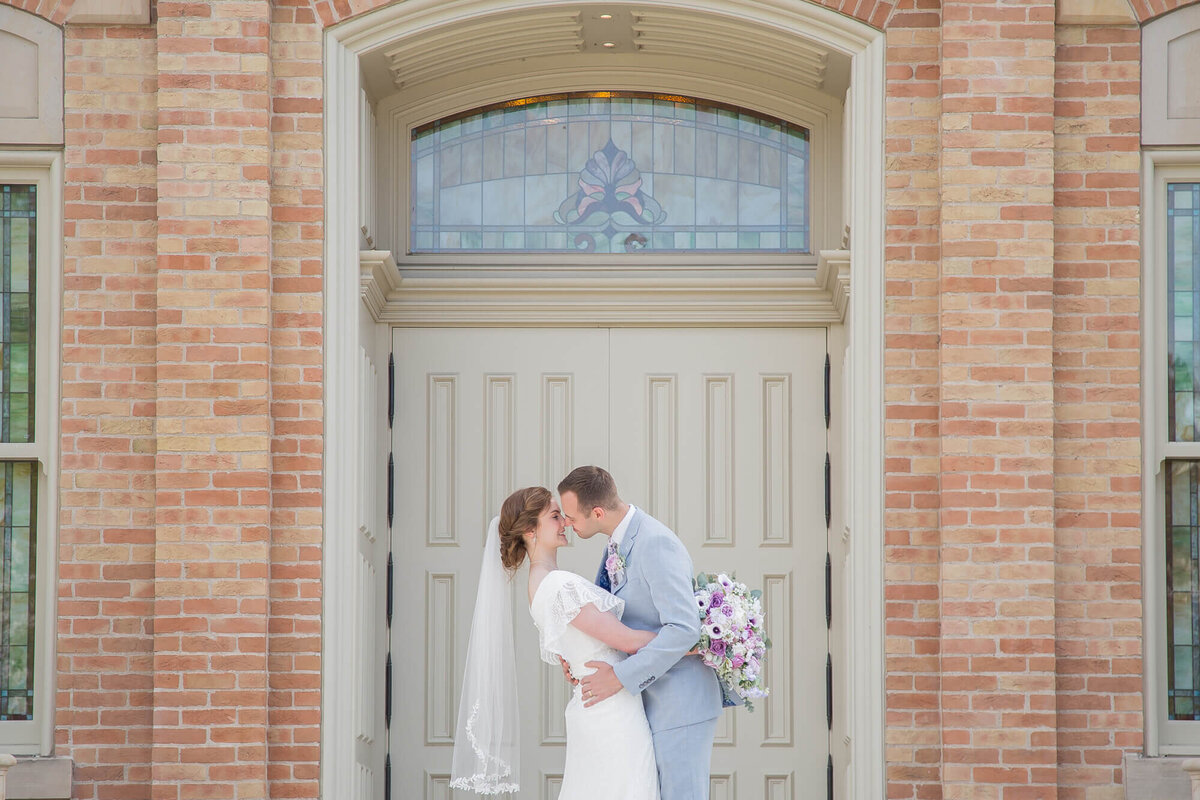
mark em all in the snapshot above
pixel 623 525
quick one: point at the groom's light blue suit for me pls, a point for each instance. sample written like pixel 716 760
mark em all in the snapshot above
pixel 681 695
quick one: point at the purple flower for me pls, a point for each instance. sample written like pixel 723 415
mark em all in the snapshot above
pixel 611 563
pixel 738 661
pixel 718 597
pixel 717 647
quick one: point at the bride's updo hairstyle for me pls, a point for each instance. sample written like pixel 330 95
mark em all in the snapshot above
pixel 518 516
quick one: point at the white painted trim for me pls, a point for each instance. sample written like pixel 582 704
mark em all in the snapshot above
pixel 339 496
pixel 864 392
pixel 612 298
pixel 1161 736
pixel 864 509
pixel 45 169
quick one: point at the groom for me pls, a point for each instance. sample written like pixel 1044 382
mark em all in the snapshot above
pixel 647 566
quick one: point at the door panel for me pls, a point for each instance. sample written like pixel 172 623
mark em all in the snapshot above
pixel 480 413
pixel 722 433
pixel 719 433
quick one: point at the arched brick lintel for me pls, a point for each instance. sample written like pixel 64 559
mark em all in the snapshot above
pixel 1147 10
pixel 875 13
pixel 55 11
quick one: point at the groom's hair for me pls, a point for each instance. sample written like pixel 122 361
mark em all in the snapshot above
pixel 593 486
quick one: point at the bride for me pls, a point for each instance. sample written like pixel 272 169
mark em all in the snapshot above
pixel 609 748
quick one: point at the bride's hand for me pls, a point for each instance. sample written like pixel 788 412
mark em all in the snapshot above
pixel 567 672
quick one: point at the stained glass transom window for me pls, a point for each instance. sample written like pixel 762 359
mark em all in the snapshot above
pixel 18 566
pixel 18 239
pixel 610 172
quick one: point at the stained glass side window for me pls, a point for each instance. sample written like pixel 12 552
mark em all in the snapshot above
pixel 610 172
pixel 18 483
pixel 18 268
pixel 1183 304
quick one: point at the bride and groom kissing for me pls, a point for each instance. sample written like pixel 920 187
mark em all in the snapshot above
pixel 644 708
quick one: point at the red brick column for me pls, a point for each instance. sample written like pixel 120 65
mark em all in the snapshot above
pixel 213 427
pixel 1097 446
pixel 106 521
pixel 997 517
pixel 911 374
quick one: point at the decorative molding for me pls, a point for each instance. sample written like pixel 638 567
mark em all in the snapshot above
pixel 1094 12
pixel 718 462
pixel 726 734
pixel 441 460
pixel 499 440
pixel 1170 92
pixel 778 708
pixel 441 659
pixel 556 694
pixel 378 278
pixel 572 296
pixel 31 60
pixel 662 447
pixel 833 276
pixel 110 12
pixel 722 786
pixel 778 787
pixel 558 436
pixel 777 459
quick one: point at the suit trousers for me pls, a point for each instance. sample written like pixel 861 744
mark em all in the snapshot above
pixel 683 756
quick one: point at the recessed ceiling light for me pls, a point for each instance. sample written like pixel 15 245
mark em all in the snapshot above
pixel 608 44
pixel 606 16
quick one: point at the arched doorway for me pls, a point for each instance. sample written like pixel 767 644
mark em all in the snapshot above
pixel 424 61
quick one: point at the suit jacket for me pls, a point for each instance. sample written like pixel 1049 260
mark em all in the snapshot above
pixel 676 689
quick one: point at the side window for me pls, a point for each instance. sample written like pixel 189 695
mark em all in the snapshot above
pixel 30 198
pixel 1181 502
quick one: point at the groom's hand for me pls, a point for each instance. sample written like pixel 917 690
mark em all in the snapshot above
pixel 571 679
pixel 601 684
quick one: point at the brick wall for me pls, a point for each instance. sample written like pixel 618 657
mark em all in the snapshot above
pixel 189 614
pixel 1097 464
pixel 106 524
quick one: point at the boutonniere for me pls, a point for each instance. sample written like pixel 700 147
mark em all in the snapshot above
pixel 615 564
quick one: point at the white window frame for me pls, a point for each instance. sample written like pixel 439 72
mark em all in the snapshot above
pixel 1160 167
pixel 44 169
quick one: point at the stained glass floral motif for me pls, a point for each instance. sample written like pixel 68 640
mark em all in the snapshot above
pixel 610 172
pixel 18 567
pixel 18 237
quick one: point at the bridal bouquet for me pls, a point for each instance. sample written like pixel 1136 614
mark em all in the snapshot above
pixel 732 637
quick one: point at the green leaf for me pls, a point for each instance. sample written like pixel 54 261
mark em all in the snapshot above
pixel 767 642
pixel 756 594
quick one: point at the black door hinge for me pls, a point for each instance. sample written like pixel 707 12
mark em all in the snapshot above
pixel 829 690
pixel 392 392
pixel 390 589
pixel 387 692
pixel 827 401
pixel 828 591
pixel 828 491
pixel 391 489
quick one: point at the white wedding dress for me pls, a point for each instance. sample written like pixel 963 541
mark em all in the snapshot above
pixel 609 749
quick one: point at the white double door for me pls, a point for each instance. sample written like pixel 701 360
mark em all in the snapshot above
pixel 719 433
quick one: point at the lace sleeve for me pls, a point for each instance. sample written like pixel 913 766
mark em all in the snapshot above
pixel 568 599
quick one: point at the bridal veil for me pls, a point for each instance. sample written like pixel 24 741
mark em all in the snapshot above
pixel 487 740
